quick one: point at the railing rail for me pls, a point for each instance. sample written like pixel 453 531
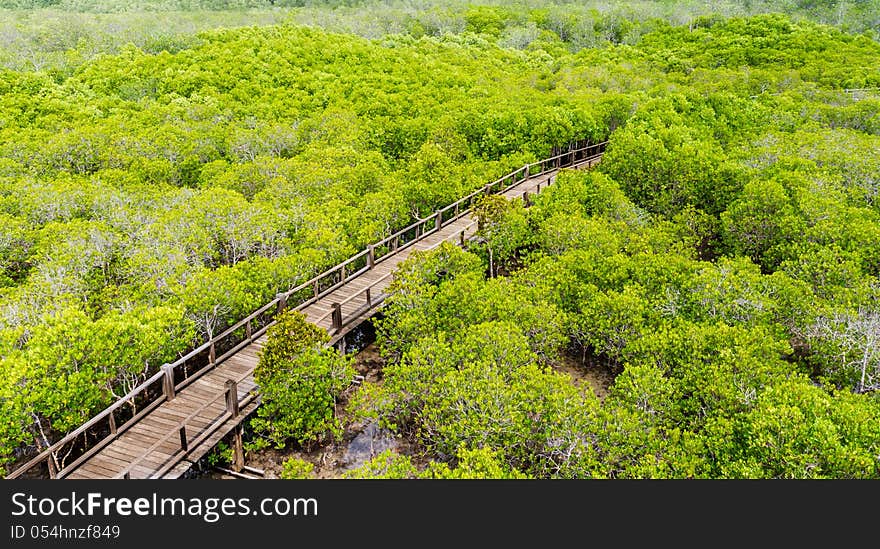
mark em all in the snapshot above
pixel 257 322
pixel 233 405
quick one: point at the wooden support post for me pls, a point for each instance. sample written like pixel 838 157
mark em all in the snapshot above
pixel 282 299
pixel 184 444
pixel 438 219
pixel 456 210
pixel 337 316
pixel 237 449
pixel 369 299
pixel 526 201
pixel 212 354
pixel 168 382
pixel 342 273
pixel 371 256
pixel 53 467
pixel 127 475
pixel 232 397
pixel 395 243
pixel 112 420
pixel 50 460
pixel 461 239
pixel 526 174
pixel 248 330
pixel 315 289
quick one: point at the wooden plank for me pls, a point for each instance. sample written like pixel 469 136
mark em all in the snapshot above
pixel 251 351
pixel 118 464
pixel 147 441
pixel 137 456
pixel 128 456
pixel 97 467
pixel 194 414
pixel 191 401
pixel 195 418
pixel 240 362
pixel 156 431
pixel 84 474
pixel 90 470
pixel 202 392
pixel 127 446
pixel 176 421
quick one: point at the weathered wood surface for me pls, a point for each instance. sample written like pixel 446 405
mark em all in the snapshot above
pixel 130 446
pixel 152 446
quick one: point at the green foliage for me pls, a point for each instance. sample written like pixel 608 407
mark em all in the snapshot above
pixel 665 159
pixel 722 261
pixel 387 465
pixel 296 469
pixel 220 455
pixel 481 463
pixel 300 381
pixel 75 364
pixel 503 226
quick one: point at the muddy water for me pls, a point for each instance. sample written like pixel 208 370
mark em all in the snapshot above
pixel 596 377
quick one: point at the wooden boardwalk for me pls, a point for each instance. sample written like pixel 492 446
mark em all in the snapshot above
pixel 183 411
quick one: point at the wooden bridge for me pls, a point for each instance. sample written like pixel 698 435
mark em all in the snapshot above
pixel 171 420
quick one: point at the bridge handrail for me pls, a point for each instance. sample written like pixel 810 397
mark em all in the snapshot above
pixel 183 422
pixel 280 302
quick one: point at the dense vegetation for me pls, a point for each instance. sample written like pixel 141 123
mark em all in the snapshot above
pixel 300 379
pixel 723 261
pixel 59 36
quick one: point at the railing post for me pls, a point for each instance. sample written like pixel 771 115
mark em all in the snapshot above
pixel 248 331
pixel 282 300
pixel 371 256
pixel 342 274
pixel 127 475
pixel 462 238
pixel 232 397
pixel 212 354
pixel 315 288
pixel 168 382
pixel 237 449
pixel 438 219
pixel 184 444
pixel 50 459
pixel 526 200
pixel 526 173
pixel 112 423
pixel 337 316
pixel 369 299
pixel 395 243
